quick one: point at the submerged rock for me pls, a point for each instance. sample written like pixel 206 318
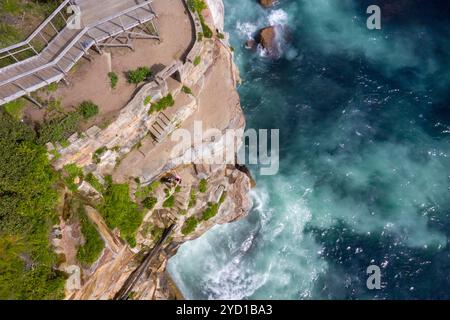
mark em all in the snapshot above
pixel 267 3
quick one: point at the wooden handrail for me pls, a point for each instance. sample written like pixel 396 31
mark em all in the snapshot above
pixel 55 61
pixel 38 29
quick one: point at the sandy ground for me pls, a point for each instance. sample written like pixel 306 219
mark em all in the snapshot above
pixel 216 100
pixel 89 80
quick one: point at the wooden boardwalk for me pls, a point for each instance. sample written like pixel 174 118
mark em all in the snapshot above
pixel 102 23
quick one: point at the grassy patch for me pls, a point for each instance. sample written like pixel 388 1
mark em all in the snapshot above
pixel 186 90
pixel 52 87
pixel 213 208
pixel 120 212
pixel 149 202
pixel 93 245
pixel 211 211
pixel 197 60
pixel 59 128
pixel 72 172
pixel 163 104
pixel 93 181
pixel 113 79
pixel 170 202
pixel 189 226
pixel 15 108
pixel 147 100
pixel 203 185
pixel 192 199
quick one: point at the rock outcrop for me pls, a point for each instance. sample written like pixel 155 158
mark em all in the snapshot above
pixel 134 151
pixel 268 40
pixel 267 3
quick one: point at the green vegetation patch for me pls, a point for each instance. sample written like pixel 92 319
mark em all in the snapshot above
pixel 93 181
pixel 213 208
pixel 192 198
pixel 147 100
pixel 59 128
pixel 203 185
pixel 139 75
pixel 197 60
pixel 170 202
pixel 163 104
pixel 211 211
pixel 98 153
pixel 93 245
pixel 189 226
pixel 119 211
pixel 71 173
pixel 15 108
pixel 27 214
pixel 197 5
pixel 88 109
pixel 113 79
pixel 186 90
pixel 150 202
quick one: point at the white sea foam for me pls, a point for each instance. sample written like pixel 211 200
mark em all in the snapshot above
pixel 278 17
pixel 246 29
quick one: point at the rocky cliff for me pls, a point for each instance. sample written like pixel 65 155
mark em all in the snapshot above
pixel 181 197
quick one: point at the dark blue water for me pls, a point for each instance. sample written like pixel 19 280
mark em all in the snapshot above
pixel 364 119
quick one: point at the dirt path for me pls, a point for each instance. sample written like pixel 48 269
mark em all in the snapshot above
pixel 89 80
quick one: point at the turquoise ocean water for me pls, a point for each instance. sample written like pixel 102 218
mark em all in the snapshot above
pixel 364 119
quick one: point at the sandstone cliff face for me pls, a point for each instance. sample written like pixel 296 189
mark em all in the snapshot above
pixel 208 192
pixel 218 12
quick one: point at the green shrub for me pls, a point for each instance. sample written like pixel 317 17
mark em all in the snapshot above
pixel 223 197
pixel 93 245
pixel 149 202
pixel 157 233
pixel 163 103
pixel 211 211
pixel 98 153
pixel 15 108
pixel 186 90
pixel 189 226
pixel 113 79
pixel 147 100
pixel 27 210
pixel 71 173
pixel 88 109
pixel 203 186
pixel 59 129
pixel 170 202
pixel 207 32
pixel 197 5
pixel 192 199
pixel 92 179
pixel 197 60
pixel 52 87
pixel 120 212
pixel 139 75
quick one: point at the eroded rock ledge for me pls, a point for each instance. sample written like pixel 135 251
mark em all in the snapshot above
pixel 136 149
